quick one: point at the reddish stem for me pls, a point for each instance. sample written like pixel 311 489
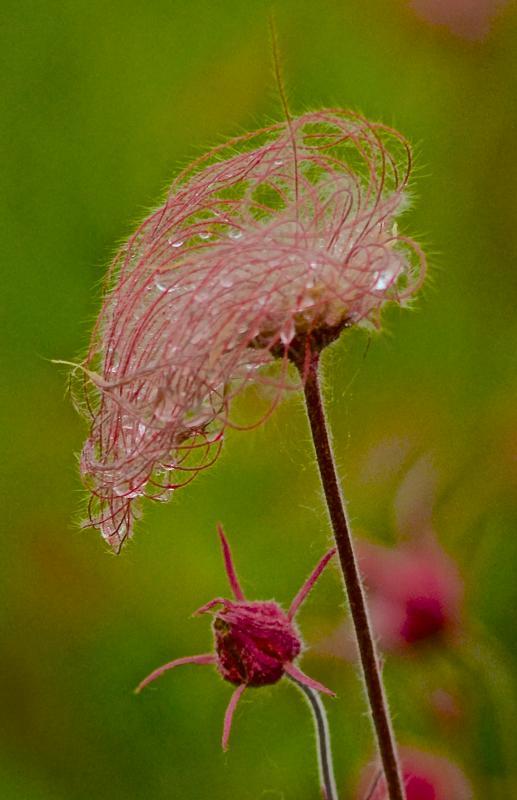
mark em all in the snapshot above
pixel 308 368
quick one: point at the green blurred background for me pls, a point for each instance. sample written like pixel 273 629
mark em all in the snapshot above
pixel 103 102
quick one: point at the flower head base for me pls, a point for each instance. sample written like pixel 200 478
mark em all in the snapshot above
pixel 272 243
pixel 255 642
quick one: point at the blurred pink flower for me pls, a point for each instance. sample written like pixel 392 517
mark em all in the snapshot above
pixel 255 642
pixel 283 233
pixel 447 707
pixel 414 592
pixel 467 18
pixel 426 776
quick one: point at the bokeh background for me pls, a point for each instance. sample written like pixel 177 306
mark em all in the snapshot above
pixel 102 103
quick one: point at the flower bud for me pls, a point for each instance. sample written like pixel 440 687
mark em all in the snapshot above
pixel 253 642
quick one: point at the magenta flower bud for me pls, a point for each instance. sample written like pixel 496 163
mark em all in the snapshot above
pixel 256 643
pixel 426 777
pixel 266 247
pixel 253 642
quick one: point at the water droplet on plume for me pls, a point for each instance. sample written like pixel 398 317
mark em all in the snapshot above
pixel 384 279
pixel 287 333
pixel 158 281
pixel 164 496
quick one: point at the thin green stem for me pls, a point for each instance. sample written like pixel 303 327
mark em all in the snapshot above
pixel 325 761
pixel 371 670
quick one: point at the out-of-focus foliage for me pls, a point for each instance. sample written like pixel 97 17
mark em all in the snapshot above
pixel 103 102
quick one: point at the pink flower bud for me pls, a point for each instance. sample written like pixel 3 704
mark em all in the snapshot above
pixel 255 642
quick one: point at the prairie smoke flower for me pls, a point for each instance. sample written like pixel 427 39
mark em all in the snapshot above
pixel 274 241
pixel 426 777
pixel 414 596
pixel 256 642
pixel 415 593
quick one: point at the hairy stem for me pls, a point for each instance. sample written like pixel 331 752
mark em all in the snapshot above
pixel 356 598
pixel 325 762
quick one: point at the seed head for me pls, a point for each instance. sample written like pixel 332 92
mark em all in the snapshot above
pixel 267 246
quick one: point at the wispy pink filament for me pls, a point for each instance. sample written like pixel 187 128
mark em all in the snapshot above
pixel 276 233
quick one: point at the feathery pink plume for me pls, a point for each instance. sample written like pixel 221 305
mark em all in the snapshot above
pixel 278 234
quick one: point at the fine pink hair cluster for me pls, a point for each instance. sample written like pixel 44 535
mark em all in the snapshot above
pixel 276 235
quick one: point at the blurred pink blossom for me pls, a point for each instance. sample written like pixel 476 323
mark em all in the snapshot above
pixel 282 233
pixel 447 707
pixel 414 594
pixel 256 642
pixel 426 777
pixel 467 18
